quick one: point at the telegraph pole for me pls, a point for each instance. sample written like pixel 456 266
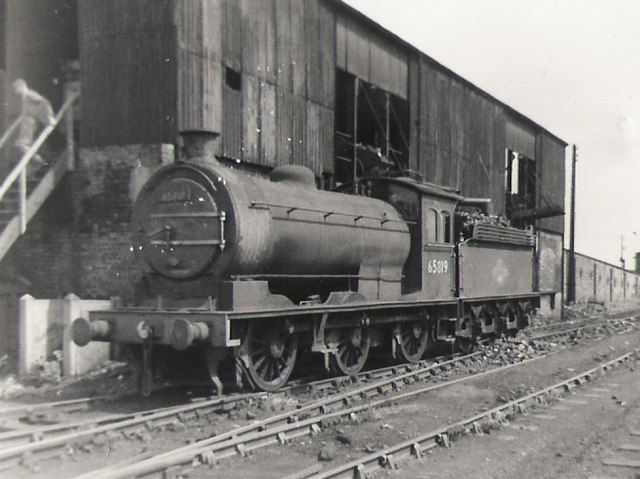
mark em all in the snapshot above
pixel 571 273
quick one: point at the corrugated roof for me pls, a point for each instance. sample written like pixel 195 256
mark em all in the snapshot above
pixel 340 4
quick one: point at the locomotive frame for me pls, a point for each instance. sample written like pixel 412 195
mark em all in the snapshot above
pixel 442 286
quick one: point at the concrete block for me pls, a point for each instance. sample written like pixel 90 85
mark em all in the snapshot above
pixel 551 305
pixel 40 331
pixel 79 360
pixel 45 326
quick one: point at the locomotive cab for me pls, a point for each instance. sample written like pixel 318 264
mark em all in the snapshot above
pixel 429 272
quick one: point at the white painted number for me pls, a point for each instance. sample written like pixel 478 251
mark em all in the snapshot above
pixel 437 266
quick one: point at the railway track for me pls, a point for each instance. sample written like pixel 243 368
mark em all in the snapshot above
pixel 69 406
pixel 584 324
pixel 13 442
pixel 627 315
pixel 307 420
pixel 28 445
pixel 440 437
pixel 282 428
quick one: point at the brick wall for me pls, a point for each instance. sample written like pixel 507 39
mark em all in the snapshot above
pixel 79 242
pixel 111 179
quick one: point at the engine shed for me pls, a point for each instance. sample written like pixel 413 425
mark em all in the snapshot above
pixel 313 83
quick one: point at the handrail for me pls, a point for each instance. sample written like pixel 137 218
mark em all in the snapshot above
pixel 30 153
pixel 11 129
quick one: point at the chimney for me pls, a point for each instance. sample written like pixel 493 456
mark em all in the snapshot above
pixel 199 145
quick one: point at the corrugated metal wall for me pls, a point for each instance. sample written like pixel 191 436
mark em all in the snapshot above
pixel 457 135
pixel 145 63
pixel 551 178
pixel 127 56
pixel 282 50
pixel 370 57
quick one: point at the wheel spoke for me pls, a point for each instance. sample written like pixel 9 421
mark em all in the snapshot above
pixel 267 369
pixel 268 372
pixel 412 348
pixel 258 365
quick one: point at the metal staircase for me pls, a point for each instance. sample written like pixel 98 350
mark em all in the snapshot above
pixel 23 193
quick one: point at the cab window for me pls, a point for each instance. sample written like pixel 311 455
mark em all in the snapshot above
pixel 446 227
pixel 432 226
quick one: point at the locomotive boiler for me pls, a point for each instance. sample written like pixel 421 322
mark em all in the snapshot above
pixel 250 269
pixel 196 226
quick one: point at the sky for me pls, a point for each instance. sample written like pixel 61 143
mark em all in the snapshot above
pixel 572 66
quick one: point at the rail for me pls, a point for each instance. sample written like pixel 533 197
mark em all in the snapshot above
pixel 19 172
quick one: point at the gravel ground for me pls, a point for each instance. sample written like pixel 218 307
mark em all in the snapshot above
pixel 569 439
pixel 388 425
pixel 337 443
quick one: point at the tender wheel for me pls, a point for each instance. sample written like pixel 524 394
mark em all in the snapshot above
pixel 271 355
pixel 413 339
pixel 488 321
pixel 353 349
pixel 524 316
pixel 510 317
pixel 466 344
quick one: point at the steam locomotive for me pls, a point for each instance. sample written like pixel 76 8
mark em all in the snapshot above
pixel 253 270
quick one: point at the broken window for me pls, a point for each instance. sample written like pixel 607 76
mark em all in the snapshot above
pixel 233 79
pixel 371 125
pixel 520 182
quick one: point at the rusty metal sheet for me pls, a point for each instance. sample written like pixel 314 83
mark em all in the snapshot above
pixel 212 17
pixel 258 40
pixel 551 160
pixel 443 131
pixel 327 57
pixel 425 146
pixel 267 124
pixel 232 122
pixel 457 133
pixel 250 119
pixel 232 34
pixel 284 45
pixel 414 113
pixel 313 52
pixel 299 39
pixel 341 44
pixel 126 59
pixel 520 137
pixel 498 185
pixel 199 93
pixel 313 156
pixel 284 127
pixel 299 133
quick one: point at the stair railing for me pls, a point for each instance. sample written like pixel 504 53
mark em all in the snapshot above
pixel 19 172
pixel 10 131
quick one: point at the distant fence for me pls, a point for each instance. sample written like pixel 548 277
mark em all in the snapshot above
pixel 602 282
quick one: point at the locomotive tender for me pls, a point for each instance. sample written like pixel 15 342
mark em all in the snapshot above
pixel 251 270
